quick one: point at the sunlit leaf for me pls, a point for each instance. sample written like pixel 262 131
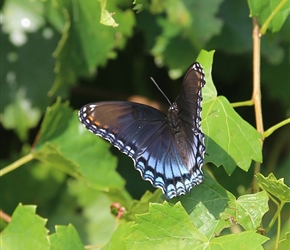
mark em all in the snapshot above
pixel 156 229
pixel 117 242
pixel 25 231
pixel 65 237
pixel 247 210
pixel 285 243
pixel 271 13
pixel 86 43
pixel 244 240
pixel 106 16
pixel 274 186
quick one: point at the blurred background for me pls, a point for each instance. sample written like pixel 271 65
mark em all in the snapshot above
pixel 60 48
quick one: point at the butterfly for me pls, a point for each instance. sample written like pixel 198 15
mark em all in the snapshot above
pixel 168 150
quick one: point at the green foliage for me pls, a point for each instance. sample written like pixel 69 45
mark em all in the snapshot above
pixel 271 14
pixel 275 187
pixel 26 229
pixel 56 50
pixel 65 237
pixel 62 143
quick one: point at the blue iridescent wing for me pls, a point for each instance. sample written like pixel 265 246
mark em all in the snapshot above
pixel 170 159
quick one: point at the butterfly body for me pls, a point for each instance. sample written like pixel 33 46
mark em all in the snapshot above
pixel 168 150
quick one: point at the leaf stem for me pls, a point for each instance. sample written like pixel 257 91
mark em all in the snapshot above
pixel 277 214
pixel 270 18
pixel 278 227
pixel 256 96
pixel 16 164
pixel 269 131
pixel 241 104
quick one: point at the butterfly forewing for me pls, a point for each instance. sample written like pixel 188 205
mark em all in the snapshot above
pixel 189 104
pixel 169 160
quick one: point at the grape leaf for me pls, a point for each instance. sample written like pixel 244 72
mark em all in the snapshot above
pixel 230 140
pixel 64 142
pixel 247 210
pixel 65 237
pixel 84 37
pixel 273 13
pixel 106 16
pixel 285 243
pixel 244 240
pixel 168 227
pixel 142 205
pixel 25 231
pixel 156 228
pixel 205 58
pixel 206 222
pixel 274 186
pixel 117 241
pixel 212 208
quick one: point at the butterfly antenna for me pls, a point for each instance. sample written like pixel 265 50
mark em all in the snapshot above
pixel 160 90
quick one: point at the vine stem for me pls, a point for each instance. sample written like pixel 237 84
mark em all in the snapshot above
pixel 256 96
pixel 16 164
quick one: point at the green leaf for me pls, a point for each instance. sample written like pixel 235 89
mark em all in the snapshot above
pixel 247 210
pixel 64 142
pixel 42 184
pixel 66 237
pixel 285 243
pixel 164 227
pixel 214 197
pixel 274 186
pixel 206 222
pixel 230 140
pixel 244 240
pixel 142 206
pixel 205 58
pixel 106 16
pixel 98 223
pixel 271 13
pixel 183 27
pixel 53 156
pixel 87 210
pixel 25 231
pixel 86 43
pixel 212 208
pixel 117 241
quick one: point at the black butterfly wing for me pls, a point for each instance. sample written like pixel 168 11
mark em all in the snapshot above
pixel 189 104
pixel 142 133
pixel 128 126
